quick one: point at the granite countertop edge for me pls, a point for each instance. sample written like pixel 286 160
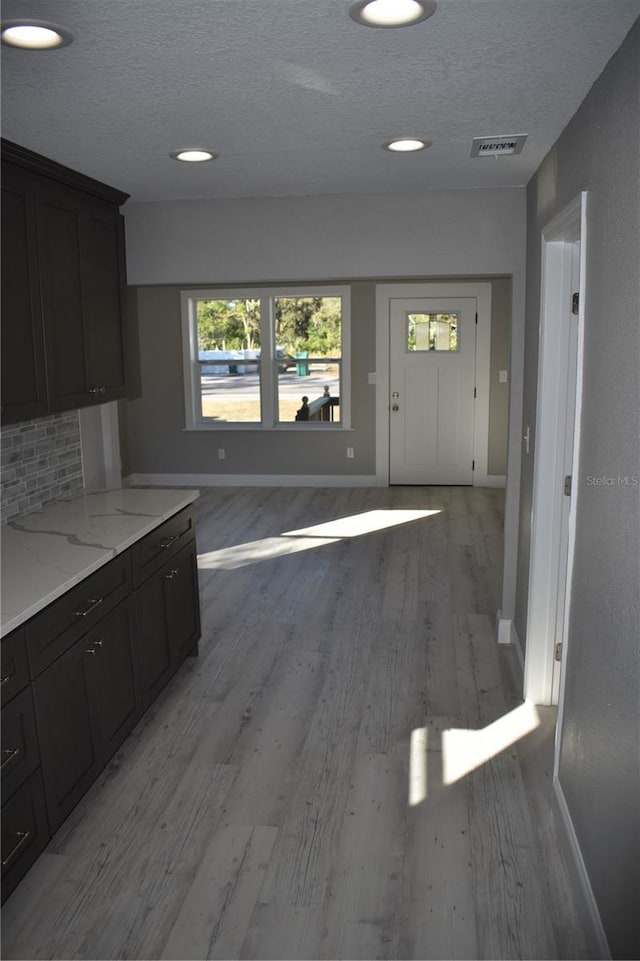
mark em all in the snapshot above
pixel 38 580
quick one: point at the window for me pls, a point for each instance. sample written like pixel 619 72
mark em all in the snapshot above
pixel 432 332
pixel 266 358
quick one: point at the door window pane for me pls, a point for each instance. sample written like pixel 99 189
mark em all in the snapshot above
pixel 432 332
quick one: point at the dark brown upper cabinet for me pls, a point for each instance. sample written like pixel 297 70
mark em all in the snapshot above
pixel 24 386
pixel 63 281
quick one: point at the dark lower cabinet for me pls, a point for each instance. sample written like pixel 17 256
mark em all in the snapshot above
pixel 78 675
pixel 168 612
pixel 66 718
pixel 25 831
pixel 86 703
pixel 116 680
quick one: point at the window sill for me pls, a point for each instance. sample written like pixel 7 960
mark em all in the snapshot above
pixel 281 429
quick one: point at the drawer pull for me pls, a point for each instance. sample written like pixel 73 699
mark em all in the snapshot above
pixel 5 680
pixel 172 573
pixel 8 756
pixel 91 650
pixel 167 541
pixel 92 603
pixel 23 839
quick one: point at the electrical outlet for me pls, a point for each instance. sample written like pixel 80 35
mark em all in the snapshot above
pixel 349 451
pixel 221 454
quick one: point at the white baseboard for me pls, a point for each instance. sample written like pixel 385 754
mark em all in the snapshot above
pixel 574 848
pixel 504 626
pixel 506 634
pixel 489 480
pixel 249 480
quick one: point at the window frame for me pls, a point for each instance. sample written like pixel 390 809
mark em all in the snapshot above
pixel 268 365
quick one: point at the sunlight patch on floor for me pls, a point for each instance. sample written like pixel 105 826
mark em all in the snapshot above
pixel 319 535
pixel 464 750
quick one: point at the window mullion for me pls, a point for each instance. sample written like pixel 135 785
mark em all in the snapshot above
pixel 267 367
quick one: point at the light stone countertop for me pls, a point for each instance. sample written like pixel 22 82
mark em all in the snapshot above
pixel 47 552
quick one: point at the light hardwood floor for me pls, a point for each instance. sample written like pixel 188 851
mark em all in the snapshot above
pixel 293 793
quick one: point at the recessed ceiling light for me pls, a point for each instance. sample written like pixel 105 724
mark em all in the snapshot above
pixel 406 144
pixel 34 35
pixel 391 13
pixel 193 155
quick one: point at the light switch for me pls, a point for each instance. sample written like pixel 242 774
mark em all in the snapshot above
pixel 372 377
pixel 503 376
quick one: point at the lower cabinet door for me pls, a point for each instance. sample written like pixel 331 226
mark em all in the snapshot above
pixel 182 608
pixel 25 832
pixel 67 724
pixel 116 677
pixel 168 612
pixel 20 755
pixel 156 664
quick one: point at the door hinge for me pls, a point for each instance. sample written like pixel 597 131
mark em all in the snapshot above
pixel 567 485
pixel 473 465
pixel 476 318
pixel 475 392
pixel 558 652
pixel 575 302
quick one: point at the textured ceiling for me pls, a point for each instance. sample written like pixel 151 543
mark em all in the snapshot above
pixel 296 97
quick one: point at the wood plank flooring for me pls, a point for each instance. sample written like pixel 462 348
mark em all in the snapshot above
pixel 289 794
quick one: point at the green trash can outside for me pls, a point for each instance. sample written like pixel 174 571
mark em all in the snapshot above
pixel 302 369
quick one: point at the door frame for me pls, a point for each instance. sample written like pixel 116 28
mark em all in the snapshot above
pixel 559 239
pixel 482 292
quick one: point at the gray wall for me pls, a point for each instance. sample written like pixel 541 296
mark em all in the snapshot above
pixel 499 392
pixel 153 436
pixel 438 234
pixel 599 151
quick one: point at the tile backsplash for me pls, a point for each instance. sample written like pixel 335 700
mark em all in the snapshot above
pixel 41 461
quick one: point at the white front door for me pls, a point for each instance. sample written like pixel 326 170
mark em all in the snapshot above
pixel 432 359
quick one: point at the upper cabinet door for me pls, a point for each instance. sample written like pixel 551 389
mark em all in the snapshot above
pixel 24 394
pixel 63 281
pixel 103 272
pixel 59 244
pixel 81 246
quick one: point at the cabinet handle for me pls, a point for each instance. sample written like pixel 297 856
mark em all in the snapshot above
pixel 23 838
pixel 9 756
pixel 97 390
pixel 167 541
pixel 172 573
pixel 99 643
pixel 91 650
pixel 5 680
pixel 92 603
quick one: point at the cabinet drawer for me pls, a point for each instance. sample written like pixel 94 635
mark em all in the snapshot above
pixel 25 832
pixel 15 666
pixel 52 632
pixel 152 551
pixel 20 755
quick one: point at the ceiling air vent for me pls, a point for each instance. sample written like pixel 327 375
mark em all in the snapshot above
pixel 498 146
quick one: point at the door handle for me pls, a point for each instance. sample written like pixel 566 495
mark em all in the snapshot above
pixel 395 407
